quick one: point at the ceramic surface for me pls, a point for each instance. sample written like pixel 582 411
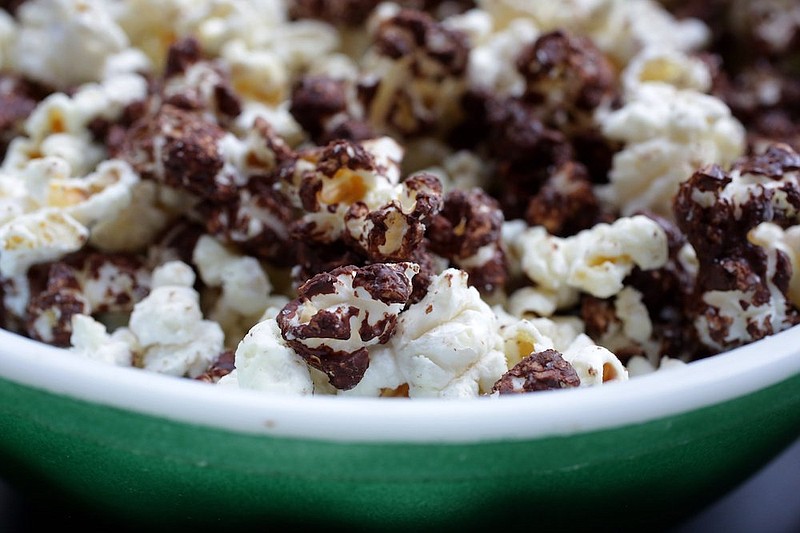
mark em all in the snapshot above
pixel 158 451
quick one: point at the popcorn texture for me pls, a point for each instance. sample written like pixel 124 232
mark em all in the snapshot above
pixel 169 327
pixel 545 370
pixel 742 284
pixel 66 42
pixel 593 260
pixel 667 133
pixel 447 343
pixel 339 314
pixel 411 199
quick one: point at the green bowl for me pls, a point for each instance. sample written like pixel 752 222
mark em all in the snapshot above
pixel 155 451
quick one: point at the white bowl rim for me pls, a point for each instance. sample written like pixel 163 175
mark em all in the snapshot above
pixel 644 398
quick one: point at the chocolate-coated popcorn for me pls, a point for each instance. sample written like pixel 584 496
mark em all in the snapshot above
pixel 566 78
pixel 90 284
pixel 546 370
pixel 414 74
pixel 467 232
pixel 741 287
pixel 339 314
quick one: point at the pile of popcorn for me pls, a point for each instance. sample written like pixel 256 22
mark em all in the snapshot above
pixel 400 199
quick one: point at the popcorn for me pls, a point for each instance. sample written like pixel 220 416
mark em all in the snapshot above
pixel 621 29
pixel 666 65
pixel 91 285
pixel 393 231
pixel 191 83
pixel 492 60
pixel 168 325
pixel 743 279
pixel 90 339
pixel 38 237
pixel 594 364
pixel 345 173
pixel 326 107
pixel 467 232
pixel 521 338
pixel 595 260
pixel 243 284
pixel 257 75
pixel 265 363
pixel 416 74
pixel 338 315
pixel 667 134
pixel 135 225
pixel 545 370
pixel 64 43
pixel 447 344
pixel 566 79
pixel 618 28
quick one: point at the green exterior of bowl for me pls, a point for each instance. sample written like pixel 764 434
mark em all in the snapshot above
pixel 148 471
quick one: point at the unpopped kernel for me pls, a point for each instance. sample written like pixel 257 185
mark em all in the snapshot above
pixel 450 199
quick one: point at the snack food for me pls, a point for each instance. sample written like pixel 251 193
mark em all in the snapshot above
pixel 421 199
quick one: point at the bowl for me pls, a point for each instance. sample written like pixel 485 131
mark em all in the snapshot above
pixel 155 451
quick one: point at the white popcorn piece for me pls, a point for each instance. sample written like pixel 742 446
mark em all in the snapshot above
pixel 265 363
pixel 136 225
pixel 556 332
pixel 595 260
pixel 562 330
pixel 522 338
pixel 167 316
pixel 621 28
pixel 594 364
pixel 492 60
pixel 546 14
pixel 300 43
pixel 244 286
pixel 215 22
pixel 91 340
pixel 38 237
pixel 278 117
pixel 633 314
pixel 633 325
pixel 169 325
pixel 382 376
pixel 541 301
pixel 256 75
pixel 95 198
pixel 447 344
pixel 668 134
pixel 78 151
pixel 151 25
pixel 64 43
pixel 639 365
pixel 189 359
pixel 461 169
pixel 666 65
